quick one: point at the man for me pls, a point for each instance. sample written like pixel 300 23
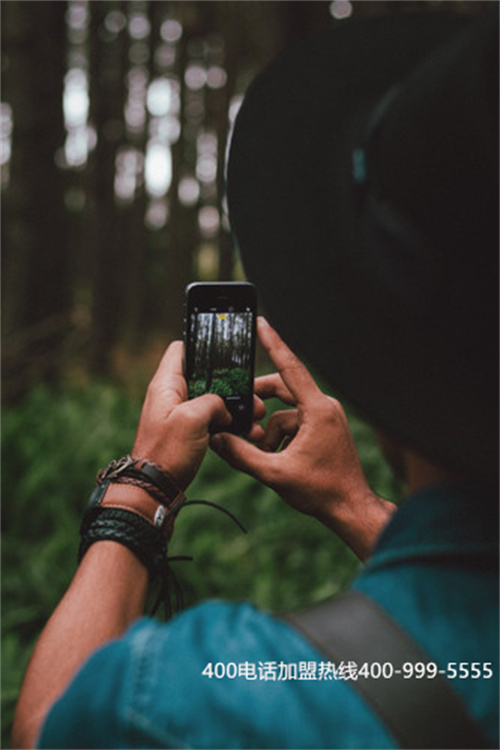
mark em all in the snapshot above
pixel 363 191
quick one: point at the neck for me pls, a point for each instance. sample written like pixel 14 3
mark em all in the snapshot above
pixel 412 468
pixel 420 472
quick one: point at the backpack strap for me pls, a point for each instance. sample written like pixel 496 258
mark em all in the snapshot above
pixel 419 713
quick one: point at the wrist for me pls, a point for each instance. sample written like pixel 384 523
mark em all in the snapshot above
pixel 133 504
pixel 144 473
pixel 126 576
pixel 359 520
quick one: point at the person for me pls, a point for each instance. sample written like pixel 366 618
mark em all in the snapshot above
pixel 363 194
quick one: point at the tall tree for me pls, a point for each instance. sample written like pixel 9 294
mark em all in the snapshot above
pixel 36 283
pixel 181 233
pixel 107 99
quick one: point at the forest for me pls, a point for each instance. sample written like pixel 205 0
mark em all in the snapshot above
pixel 222 353
pixel 114 122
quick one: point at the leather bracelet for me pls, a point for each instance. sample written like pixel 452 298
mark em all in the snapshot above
pixel 159 477
pixel 136 500
pixel 145 474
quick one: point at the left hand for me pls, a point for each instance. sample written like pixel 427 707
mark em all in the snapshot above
pixel 307 454
pixel 174 432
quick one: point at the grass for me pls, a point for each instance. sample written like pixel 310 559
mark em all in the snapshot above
pixel 53 444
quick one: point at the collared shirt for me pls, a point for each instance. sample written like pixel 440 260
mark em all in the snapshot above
pixel 435 569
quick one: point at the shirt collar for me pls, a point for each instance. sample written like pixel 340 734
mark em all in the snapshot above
pixel 442 521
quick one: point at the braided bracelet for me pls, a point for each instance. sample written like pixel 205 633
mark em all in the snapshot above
pixel 146 542
pixel 127 528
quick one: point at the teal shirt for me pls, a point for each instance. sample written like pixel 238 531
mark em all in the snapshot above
pixel 435 569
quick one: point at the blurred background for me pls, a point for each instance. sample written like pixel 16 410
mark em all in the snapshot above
pixel 114 123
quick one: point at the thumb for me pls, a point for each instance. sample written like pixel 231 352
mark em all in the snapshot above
pixel 201 414
pixel 243 456
pixel 217 415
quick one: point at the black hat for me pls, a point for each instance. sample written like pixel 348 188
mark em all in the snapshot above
pixel 363 195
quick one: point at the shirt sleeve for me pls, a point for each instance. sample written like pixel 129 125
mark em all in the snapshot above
pixel 84 716
pixel 220 676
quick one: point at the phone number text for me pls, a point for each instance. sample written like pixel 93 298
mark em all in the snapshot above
pixel 349 670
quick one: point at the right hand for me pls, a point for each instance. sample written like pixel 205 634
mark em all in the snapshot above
pixel 174 431
pixel 317 471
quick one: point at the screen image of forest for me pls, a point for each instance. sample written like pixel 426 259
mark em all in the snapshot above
pixel 221 354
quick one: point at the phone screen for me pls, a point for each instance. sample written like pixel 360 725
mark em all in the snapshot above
pixel 220 336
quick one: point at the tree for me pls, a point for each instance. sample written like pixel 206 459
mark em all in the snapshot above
pixel 36 265
pixel 105 251
pixel 75 245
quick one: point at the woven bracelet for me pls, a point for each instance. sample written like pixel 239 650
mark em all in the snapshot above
pixel 128 529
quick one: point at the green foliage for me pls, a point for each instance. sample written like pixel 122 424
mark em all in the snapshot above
pixel 54 443
pixel 225 382
pixel 239 380
pixel 52 447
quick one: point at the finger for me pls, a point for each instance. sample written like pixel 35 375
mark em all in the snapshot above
pixel 281 424
pixel 244 456
pixel 169 378
pixel 201 415
pixel 259 408
pixel 172 361
pixel 272 386
pixel 256 434
pixel 294 374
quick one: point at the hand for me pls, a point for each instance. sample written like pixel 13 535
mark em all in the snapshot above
pixel 317 471
pixel 174 432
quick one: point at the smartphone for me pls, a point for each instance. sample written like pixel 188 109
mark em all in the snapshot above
pixel 220 325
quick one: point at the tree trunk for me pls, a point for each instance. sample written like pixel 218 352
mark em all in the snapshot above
pixel 107 74
pixel 36 284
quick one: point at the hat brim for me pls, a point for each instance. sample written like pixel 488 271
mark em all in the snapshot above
pixel 293 212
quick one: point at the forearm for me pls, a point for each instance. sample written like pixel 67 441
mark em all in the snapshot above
pixel 107 593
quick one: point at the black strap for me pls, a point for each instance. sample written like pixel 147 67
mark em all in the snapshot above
pixel 420 713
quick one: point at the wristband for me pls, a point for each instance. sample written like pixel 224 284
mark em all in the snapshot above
pixel 146 475
pixel 126 528
pixel 134 499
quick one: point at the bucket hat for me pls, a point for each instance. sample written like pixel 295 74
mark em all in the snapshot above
pixel 362 186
